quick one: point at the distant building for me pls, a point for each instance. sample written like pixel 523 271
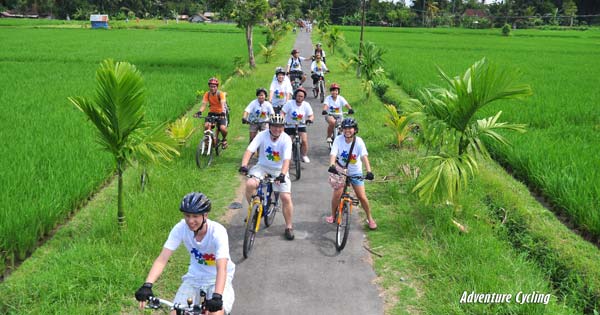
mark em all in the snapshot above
pixel 197 18
pixel 475 13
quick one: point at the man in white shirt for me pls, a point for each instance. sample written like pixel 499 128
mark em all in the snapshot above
pixel 297 111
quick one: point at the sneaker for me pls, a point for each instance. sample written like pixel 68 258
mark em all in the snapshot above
pixel 289 234
pixel 329 140
pixel 329 219
pixel 305 159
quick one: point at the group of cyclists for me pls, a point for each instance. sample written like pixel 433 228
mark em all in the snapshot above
pixel 272 117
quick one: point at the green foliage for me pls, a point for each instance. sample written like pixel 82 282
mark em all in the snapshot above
pixel 397 123
pixel 267 52
pixel 380 86
pixel 506 30
pixel 334 37
pixel 247 14
pixel 181 130
pixel 117 113
pixel 450 129
pixel 371 62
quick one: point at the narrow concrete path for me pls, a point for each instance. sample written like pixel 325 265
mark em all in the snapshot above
pixel 306 275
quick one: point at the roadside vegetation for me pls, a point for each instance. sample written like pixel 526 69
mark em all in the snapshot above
pixel 554 156
pixel 51 162
pixel 497 239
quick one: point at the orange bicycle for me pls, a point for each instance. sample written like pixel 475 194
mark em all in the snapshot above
pixel 343 213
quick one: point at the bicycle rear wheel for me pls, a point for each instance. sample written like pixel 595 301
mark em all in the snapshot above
pixel 343 226
pixel 250 233
pixel 272 208
pixel 144 179
pixel 297 159
pixel 322 90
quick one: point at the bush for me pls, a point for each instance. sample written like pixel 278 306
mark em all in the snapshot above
pixel 380 87
pixel 506 30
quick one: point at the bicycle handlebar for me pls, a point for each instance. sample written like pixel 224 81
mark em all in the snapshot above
pixel 267 178
pixel 155 303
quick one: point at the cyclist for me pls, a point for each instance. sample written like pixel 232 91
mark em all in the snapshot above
pixel 346 154
pixel 217 108
pixel 297 110
pixel 319 50
pixel 210 268
pixel 317 70
pixel 275 154
pixel 333 109
pixel 294 66
pixel 281 89
pixel 257 113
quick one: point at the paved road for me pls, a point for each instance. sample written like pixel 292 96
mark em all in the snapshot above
pixel 306 275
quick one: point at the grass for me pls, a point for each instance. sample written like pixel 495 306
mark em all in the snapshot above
pixel 51 163
pixel 90 266
pixel 556 154
pixel 427 263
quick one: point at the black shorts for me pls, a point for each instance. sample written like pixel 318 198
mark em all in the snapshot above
pixel 221 118
pixel 292 131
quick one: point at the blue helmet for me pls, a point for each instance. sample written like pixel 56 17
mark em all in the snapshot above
pixel 195 203
pixel 350 123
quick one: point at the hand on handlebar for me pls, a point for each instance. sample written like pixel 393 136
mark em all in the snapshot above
pixel 245 121
pixel 332 169
pixel 243 170
pixel 350 111
pixel 144 292
pixel 280 178
pixel 308 121
pixel 198 114
pixel 215 304
pixel 324 112
pixel 369 176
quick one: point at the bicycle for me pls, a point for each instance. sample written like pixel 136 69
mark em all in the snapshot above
pixel 343 213
pixel 337 130
pixel 180 309
pixel 296 79
pixel 209 144
pixel 265 198
pixel 319 90
pixel 296 150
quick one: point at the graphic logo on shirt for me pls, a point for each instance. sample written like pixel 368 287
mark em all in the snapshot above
pixel 335 110
pixel 279 94
pixel 260 115
pixel 297 116
pixel 272 155
pixel 204 259
pixel 344 156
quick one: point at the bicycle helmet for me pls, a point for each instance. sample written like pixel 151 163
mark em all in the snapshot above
pixel 195 203
pixel 350 123
pixel 318 44
pixel 261 90
pixel 277 120
pixel 300 89
pixel 279 70
pixel 334 86
pixel 294 51
pixel 213 80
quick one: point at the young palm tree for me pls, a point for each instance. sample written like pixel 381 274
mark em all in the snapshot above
pixel 334 37
pixel 117 111
pixel 371 62
pixel 451 131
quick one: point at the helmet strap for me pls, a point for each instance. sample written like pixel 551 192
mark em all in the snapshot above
pixel 273 138
pixel 201 225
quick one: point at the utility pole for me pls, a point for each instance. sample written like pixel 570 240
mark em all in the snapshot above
pixel 362 28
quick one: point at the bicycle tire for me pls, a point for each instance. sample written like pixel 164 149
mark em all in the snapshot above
pixel 144 179
pixel 250 233
pixel 272 208
pixel 322 90
pixel 297 159
pixel 343 227
pixel 204 153
pixel 217 145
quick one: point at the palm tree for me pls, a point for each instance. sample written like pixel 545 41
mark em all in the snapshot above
pixel 117 111
pixel 371 62
pixel 334 37
pixel 453 134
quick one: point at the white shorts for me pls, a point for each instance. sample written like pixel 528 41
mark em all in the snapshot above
pixel 260 171
pixel 190 288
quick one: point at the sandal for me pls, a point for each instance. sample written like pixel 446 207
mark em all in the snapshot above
pixel 329 219
pixel 224 144
pixel 372 224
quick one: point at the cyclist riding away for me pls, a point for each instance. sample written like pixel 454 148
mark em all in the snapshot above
pixel 217 107
pixel 274 159
pixel 333 109
pixel 319 50
pixel 257 113
pixel 298 111
pixel 346 154
pixel 317 70
pixel 294 66
pixel 210 268
pixel 281 89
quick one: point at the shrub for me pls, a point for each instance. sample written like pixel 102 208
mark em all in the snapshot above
pixel 506 30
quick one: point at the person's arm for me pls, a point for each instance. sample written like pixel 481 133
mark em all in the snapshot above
pixel 223 99
pixel 285 167
pixel 246 158
pixel 365 160
pixel 271 92
pixel 157 268
pixel 204 102
pixel 221 275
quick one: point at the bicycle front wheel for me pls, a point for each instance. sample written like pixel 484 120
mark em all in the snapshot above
pixel 297 159
pixel 250 233
pixel 322 90
pixel 343 226
pixel 272 209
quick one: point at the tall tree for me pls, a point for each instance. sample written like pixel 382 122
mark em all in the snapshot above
pixel 570 9
pixel 247 14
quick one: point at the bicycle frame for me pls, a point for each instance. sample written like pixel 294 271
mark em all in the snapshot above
pixel 260 201
pixel 346 198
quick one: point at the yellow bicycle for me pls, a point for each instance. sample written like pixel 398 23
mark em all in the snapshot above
pixel 264 202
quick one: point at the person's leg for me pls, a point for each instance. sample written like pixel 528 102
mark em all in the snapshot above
pixel 223 129
pixel 335 200
pixel 330 126
pixel 288 208
pixel 252 135
pixel 304 146
pixel 359 190
pixel 252 183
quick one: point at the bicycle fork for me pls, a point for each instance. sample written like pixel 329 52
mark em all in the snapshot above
pixel 255 202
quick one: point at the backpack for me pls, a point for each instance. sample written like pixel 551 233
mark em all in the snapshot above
pixel 226 108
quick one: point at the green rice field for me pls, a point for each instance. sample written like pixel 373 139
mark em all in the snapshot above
pixel 50 161
pixel 558 155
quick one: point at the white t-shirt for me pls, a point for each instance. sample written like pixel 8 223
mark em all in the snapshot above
pixel 340 150
pixel 204 254
pixel 280 90
pixel 259 112
pixel 295 63
pixel 318 67
pixel 335 107
pixel 272 154
pixel 295 113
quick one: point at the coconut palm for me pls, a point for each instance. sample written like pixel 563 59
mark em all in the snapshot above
pixel 117 111
pixel 451 131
